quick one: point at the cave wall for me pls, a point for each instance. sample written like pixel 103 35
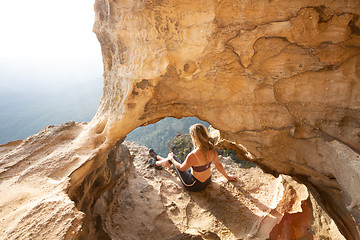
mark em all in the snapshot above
pixel 279 79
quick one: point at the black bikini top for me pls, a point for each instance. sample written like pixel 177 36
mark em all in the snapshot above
pixel 201 168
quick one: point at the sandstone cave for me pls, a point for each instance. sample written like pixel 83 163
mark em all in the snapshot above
pixel 277 78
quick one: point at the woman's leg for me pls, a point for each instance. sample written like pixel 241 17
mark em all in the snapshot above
pixel 162 162
pixel 186 177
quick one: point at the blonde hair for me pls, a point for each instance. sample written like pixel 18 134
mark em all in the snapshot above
pixel 201 135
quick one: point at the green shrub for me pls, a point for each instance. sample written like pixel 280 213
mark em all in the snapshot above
pixel 181 145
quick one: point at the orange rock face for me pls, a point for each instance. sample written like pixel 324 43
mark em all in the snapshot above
pixel 294 225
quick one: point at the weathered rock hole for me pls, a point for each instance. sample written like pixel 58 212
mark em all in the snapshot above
pixel 100 126
pixel 190 67
pixel 143 84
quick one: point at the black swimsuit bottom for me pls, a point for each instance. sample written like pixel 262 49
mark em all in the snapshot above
pixel 188 180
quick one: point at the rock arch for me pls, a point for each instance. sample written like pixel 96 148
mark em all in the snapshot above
pixel 280 79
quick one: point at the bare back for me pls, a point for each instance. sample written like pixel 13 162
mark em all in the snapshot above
pixel 200 160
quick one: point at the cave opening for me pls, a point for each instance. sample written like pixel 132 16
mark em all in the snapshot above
pixel 157 135
pixel 175 132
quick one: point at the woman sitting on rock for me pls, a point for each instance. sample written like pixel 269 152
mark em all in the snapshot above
pixel 195 171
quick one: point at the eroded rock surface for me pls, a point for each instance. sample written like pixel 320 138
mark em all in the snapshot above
pixel 49 182
pixel 278 79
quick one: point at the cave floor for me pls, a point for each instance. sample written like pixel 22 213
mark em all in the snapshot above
pixel 155 206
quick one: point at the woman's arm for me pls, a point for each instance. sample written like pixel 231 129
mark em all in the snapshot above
pixel 185 165
pixel 221 169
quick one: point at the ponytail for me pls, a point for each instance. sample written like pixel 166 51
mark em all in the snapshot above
pixel 200 133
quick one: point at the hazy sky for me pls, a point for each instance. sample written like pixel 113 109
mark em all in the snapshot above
pixel 48 40
pixel 50 65
pixel 47 29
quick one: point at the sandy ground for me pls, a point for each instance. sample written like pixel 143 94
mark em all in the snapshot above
pixel 155 206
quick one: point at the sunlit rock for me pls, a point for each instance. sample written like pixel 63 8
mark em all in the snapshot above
pixel 278 79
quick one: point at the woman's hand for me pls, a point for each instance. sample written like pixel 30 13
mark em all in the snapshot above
pixel 232 178
pixel 170 156
pixel 172 159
